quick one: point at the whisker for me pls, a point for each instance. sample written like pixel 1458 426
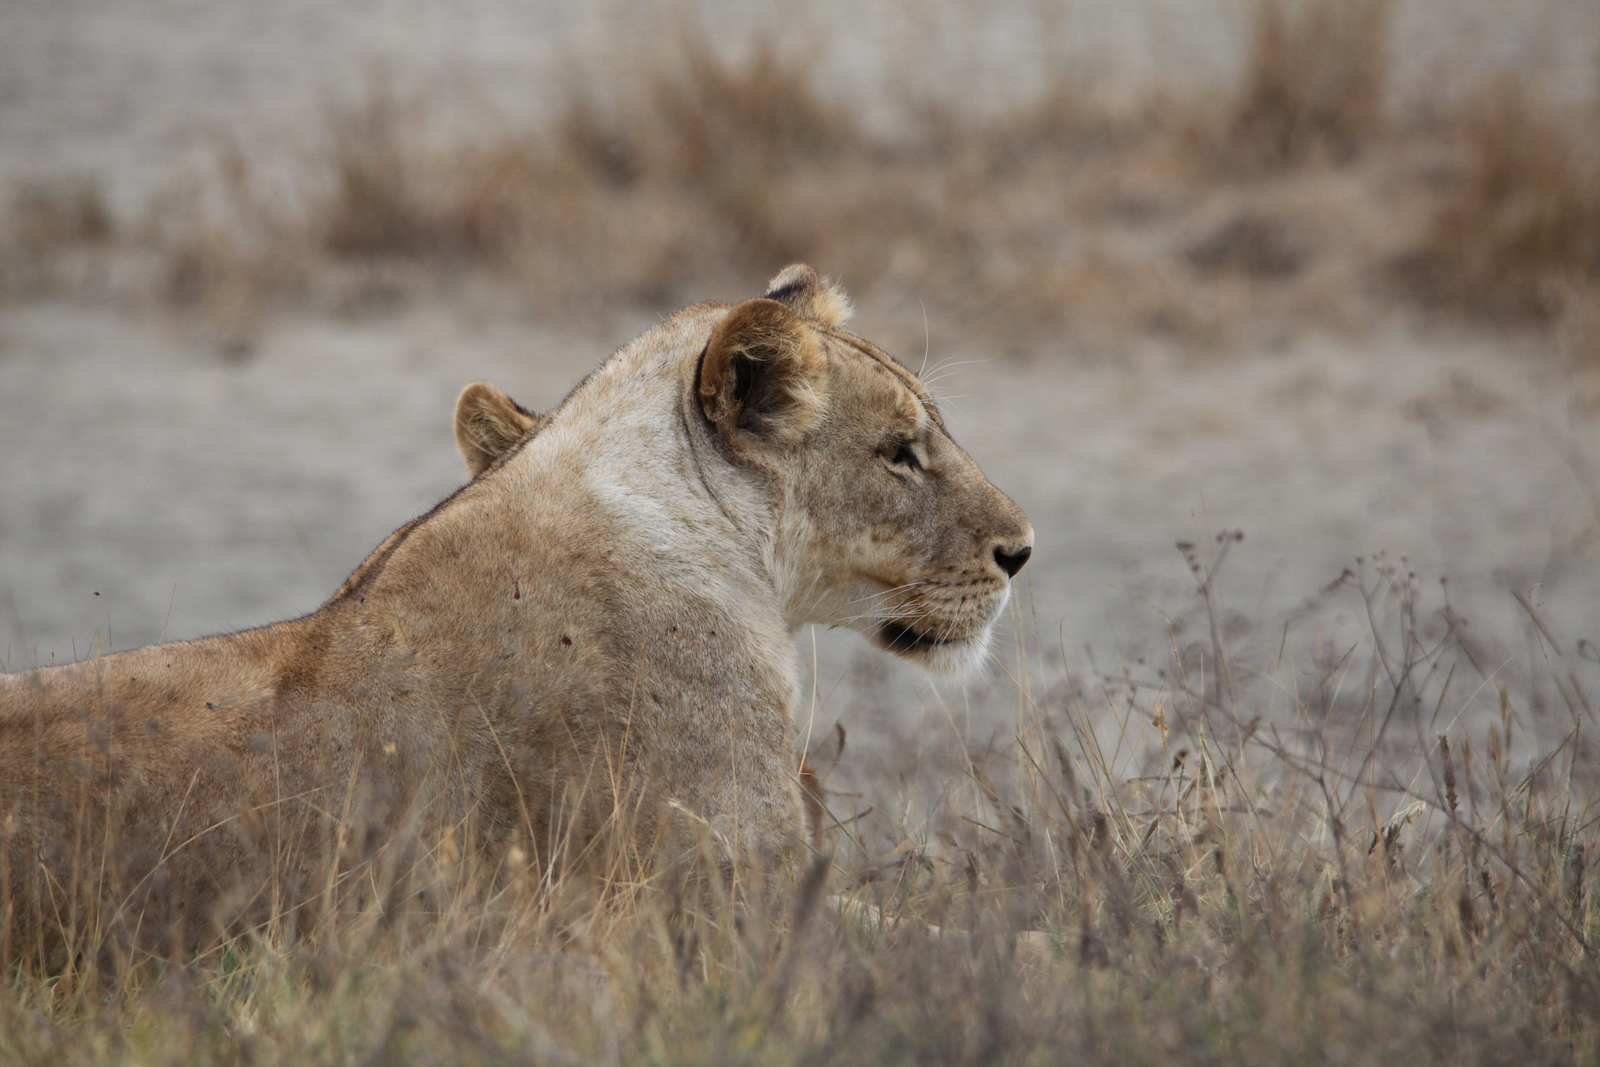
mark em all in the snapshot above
pixel 912 614
pixel 927 342
pixel 896 589
pixel 946 368
pixel 885 616
pixel 951 361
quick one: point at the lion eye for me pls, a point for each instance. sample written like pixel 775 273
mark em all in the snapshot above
pixel 903 456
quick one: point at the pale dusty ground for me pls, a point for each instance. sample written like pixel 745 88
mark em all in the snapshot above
pixel 150 487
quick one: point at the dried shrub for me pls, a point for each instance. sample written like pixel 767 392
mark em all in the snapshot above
pixel 713 118
pixel 675 178
pixel 378 202
pixel 1518 234
pixel 388 191
pixel 685 166
pixel 44 222
pixel 226 255
pixel 1253 245
pixel 1314 81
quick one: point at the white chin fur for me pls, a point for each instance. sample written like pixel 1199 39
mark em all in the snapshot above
pixel 954 660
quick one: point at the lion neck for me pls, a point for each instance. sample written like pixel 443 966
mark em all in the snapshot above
pixel 660 473
pixel 623 517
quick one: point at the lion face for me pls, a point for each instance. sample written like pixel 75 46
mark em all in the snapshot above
pixel 910 544
pixel 883 523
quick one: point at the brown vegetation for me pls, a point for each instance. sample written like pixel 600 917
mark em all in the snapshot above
pixel 41 226
pixel 679 169
pixel 698 172
pixel 1315 83
pixel 1518 234
pixel 1170 865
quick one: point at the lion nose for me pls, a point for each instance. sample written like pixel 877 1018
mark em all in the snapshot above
pixel 1011 562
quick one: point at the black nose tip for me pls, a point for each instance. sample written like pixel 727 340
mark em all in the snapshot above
pixel 1011 562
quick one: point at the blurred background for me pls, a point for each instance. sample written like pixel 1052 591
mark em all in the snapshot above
pixel 1281 318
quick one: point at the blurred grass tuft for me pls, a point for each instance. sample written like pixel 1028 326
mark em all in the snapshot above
pixel 683 166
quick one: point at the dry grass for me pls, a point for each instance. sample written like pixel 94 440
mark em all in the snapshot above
pixel 1518 234
pixel 44 229
pixel 1185 863
pixel 676 170
pixel 1315 84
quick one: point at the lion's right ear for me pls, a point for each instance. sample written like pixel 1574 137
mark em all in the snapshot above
pixel 810 296
pixel 489 423
pixel 763 374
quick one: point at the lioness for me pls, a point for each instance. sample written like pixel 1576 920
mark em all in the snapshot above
pixel 595 635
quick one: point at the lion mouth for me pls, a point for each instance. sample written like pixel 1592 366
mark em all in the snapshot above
pixel 903 639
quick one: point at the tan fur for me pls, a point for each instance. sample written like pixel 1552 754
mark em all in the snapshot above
pixel 592 641
pixel 810 296
pixel 489 424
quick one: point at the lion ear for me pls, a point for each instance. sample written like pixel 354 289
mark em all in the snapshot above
pixel 810 296
pixel 763 373
pixel 489 423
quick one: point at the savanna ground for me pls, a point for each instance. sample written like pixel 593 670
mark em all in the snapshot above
pixel 1321 792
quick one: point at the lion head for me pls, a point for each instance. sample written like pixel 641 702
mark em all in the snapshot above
pixel 876 520
pixel 884 524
